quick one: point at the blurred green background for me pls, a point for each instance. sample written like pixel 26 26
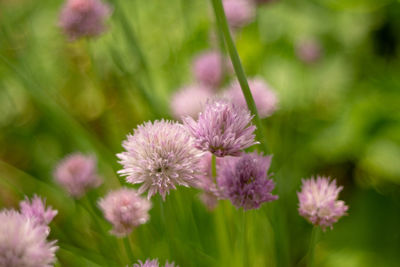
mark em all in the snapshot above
pixel 338 116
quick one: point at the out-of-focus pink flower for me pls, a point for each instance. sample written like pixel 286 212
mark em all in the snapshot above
pixel 84 18
pixel 239 12
pixel 208 68
pixel 23 242
pixel 309 51
pixel 77 174
pixel 152 263
pixel 264 97
pixel 125 209
pixel 318 202
pixel 36 210
pixel 190 101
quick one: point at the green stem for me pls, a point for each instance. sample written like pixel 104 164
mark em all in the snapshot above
pixel 313 242
pixel 237 65
pixel 214 167
pixel 128 249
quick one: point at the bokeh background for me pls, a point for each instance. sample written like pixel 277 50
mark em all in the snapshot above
pixel 338 115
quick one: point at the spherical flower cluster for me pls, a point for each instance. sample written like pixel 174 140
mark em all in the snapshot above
pixel 208 68
pixel 245 180
pixel 36 210
pixel 223 128
pixel 152 263
pixel 308 51
pixel 77 174
pixel 265 99
pixel 23 242
pixel 189 101
pixel 239 12
pixel 83 18
pixel 160 155
pixel 318 202
pixel 125 209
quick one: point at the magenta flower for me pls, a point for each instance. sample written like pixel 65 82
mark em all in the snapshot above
pixel 189 101
pixel 77 174
pixel 208 68
pixel 309 51
pixel 222 128
pixel 125 209
pixel 265 99
pixel 245 180
pixel 152 263
pixel 23 242
pixel 318 202
pixel 239 12
pixel 159 156
pixel 83 18
pixel 36 210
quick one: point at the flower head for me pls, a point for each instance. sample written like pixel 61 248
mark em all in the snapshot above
pixel 160 155
pixel 84 18
pixel 318 202
pixel 264 97
pixel 309 51
pixel 208 68
pixel 23 242
pixel 223 128
pixel 245 180
pixel 77 174
pixel 125 209
pixel 36 210
pixel 239 12
pixel 152 263
pixel 189 101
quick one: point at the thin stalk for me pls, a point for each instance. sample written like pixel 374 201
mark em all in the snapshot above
pixel 128 249
pixel 214 167
pixel 237 65
pixel 313 242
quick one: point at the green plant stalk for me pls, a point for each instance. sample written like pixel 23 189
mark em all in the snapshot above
pixel 237 65
pixel 214 167
pixel 128 249
pixel 313 242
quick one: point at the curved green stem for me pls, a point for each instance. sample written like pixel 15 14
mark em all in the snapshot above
pixel 237 65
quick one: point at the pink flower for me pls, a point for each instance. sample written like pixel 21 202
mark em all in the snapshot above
pixel 36 210
pixel 239 12
pixel 125 210
pixel 77 174
pixel 208 68
pixel 264 97
pixel 318 202
pixel 189 101
pixel 309 51
pixel 84 18
pixel 23 242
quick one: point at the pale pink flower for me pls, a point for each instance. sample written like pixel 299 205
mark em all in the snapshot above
pixel 239 12
pixel 36 210
pixel 125 209
pixel 208 68
pixel 77 174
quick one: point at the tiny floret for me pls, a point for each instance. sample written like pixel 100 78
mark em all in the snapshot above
pixel 264 97
pixel 125 209
pixel 77 174
pixel 208 68
pixel 84 18
pixel 152 263
pixel 318 202
pixel 159 156
pixel 245 180
pixel 23 242
pixel 37 211
pixel 190 101
pixel 239 12
pixel 223 128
